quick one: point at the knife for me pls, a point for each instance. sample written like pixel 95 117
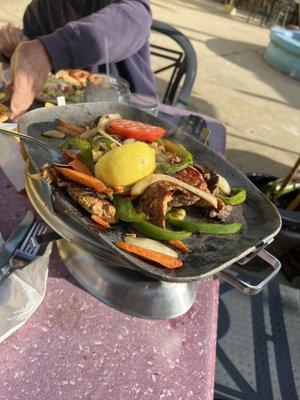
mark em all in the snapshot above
pixel 9 248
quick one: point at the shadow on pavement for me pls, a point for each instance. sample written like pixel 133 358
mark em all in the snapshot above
pixel 250 57
pixel 253 162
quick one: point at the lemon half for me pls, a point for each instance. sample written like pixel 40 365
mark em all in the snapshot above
pixel 125 165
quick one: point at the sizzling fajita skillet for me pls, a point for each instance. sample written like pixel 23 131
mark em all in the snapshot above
pixel 210 254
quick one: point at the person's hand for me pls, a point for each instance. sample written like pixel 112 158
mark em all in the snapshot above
pixel 10 36
pixel 29 70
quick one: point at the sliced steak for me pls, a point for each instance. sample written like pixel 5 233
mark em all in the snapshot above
pixel 205 179
pixel 210 176
pixel 221 213
pixel 92 202
pixel 193 177
pixel 156 198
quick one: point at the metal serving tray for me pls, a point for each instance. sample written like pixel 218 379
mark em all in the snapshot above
pixel 210 253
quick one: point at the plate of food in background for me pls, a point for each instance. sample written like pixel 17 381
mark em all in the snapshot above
pixel 68 83
pixel 4 93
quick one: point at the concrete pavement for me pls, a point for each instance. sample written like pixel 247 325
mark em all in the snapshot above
pixel 259 105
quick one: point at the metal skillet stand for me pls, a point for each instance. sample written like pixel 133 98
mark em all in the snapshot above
pixel 113 281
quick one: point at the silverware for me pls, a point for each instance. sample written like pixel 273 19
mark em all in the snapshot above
pixel 25 253
pixel 55 155
pixel 15 239
pixel 44 238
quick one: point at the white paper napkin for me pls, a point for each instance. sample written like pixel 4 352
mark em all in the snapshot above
pixel 11 160
pixel 22 293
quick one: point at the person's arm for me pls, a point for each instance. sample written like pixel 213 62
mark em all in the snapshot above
pixel 10 36
pixel 126 24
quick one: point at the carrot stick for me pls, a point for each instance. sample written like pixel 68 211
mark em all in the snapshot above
pixel 80 167
pixel 101 221
pixel 71 126
pixel 84 179
pixel 67 131
pixel 162 259
pixel 69 153
pixel 178 244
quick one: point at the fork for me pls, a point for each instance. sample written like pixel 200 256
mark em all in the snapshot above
pixel 55 155
pixel 26 253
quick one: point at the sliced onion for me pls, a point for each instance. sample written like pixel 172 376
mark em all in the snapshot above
pixel 108 136
pixel 150 244
pixel 142 185
pixel 224 185
pixel 89 134
pixel 105 120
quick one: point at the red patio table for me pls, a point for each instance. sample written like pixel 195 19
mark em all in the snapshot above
pixel 75 347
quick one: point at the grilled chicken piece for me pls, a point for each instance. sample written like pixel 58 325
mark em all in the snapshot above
pixel 49 174
pixel 92 203
pixel 156 198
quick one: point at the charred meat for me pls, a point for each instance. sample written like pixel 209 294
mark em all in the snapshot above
pixel 193 177
pixel 221 213
pixel 93 203
pixel 157 197
pixel 211 178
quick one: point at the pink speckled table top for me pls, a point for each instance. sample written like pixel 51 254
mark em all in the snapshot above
pixel 75 347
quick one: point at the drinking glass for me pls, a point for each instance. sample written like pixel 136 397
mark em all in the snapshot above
pixel 101 87
pixel 144 102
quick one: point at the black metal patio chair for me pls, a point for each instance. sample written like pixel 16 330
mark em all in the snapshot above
pixel 181 63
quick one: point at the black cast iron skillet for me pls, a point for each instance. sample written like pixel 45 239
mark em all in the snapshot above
pixel 209 253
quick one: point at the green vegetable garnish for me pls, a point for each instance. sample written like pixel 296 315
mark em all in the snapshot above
pixel 179 150
pixel 125 210
pixel 191 226
pixel 155 232
pixel 239 196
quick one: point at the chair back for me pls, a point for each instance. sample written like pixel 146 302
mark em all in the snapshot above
pixel 183 65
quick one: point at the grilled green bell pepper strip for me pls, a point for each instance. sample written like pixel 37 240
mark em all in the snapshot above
pixel 239 196
pixel 155 232
pixel 125 210
pixel 191 226
pixel 179 150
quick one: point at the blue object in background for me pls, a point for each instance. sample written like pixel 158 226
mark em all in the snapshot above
pixel 283 52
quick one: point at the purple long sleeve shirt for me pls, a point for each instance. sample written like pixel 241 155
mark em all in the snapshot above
pixel 73 32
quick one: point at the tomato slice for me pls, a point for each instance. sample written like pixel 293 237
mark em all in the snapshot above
pixel 136 130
